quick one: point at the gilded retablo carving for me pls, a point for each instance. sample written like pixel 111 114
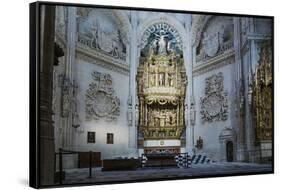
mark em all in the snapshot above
pixel 262 96
pixel 161 85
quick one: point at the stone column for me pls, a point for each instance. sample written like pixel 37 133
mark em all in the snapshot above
pixel 240 95
pixel 46 129
pixel 188 55
pixel 68 141
pixel 133 136
pixel 248 92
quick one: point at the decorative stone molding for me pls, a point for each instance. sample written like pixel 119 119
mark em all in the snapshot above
pixel 102 60
pixel 75 115
pixel 199 21
pixel 214 63
pixel 61 21
pixel 214 105
pixel 101 100
pixel 60 41
pixel 66 95
pixel 192 111
pixel 129 111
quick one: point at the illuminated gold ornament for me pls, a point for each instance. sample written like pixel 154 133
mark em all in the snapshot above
pixel 262 96
pixel 161 90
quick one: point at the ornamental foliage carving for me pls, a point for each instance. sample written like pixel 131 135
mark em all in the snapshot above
pixel 214 105
pixel 101 100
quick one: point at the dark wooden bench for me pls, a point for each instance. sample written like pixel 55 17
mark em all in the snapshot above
pixel 120 164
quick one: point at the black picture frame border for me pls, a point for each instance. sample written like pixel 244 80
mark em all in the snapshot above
pixel 34 90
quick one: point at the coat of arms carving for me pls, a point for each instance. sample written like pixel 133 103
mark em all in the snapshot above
pixel 101 100
pixel 214 105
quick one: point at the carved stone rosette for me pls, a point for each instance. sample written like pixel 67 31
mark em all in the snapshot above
pixel 101 100
pixel 214 105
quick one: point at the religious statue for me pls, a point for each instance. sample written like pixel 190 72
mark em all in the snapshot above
pixel 199 143
pixel 161 79
pixel 94 40
pixel 152 80
pixel 161 43
pixel 173 119
pixel 168 120
pixel 170 79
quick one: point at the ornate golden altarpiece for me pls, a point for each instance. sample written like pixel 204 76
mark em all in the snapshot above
pixel 161 90
pixel 262 95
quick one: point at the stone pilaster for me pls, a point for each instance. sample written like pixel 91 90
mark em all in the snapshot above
pixel 69 136
pixel 47 145
pixel 188 54
pixel 133 136
pixel 240 93
pixel 249 133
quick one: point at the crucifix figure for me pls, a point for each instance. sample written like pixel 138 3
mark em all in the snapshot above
pixel 162 43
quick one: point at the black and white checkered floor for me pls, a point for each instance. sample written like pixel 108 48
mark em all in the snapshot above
pixel 82 175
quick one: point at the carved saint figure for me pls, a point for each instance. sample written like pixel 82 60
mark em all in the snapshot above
pixel 152 80
pixel 170 79
pixel 173 119
pixel 199 143
pixel 161 79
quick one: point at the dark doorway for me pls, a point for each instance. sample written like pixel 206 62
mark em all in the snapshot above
pixel 229 151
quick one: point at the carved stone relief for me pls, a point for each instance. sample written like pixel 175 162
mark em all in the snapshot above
pixel 66 95
pixel 216 37
pixel 101 100
pixel 192 111
pixel 130 111
pixel 214 105
pixel 98 30
pixel 75 116
pixel 61 20
pixel 161 39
